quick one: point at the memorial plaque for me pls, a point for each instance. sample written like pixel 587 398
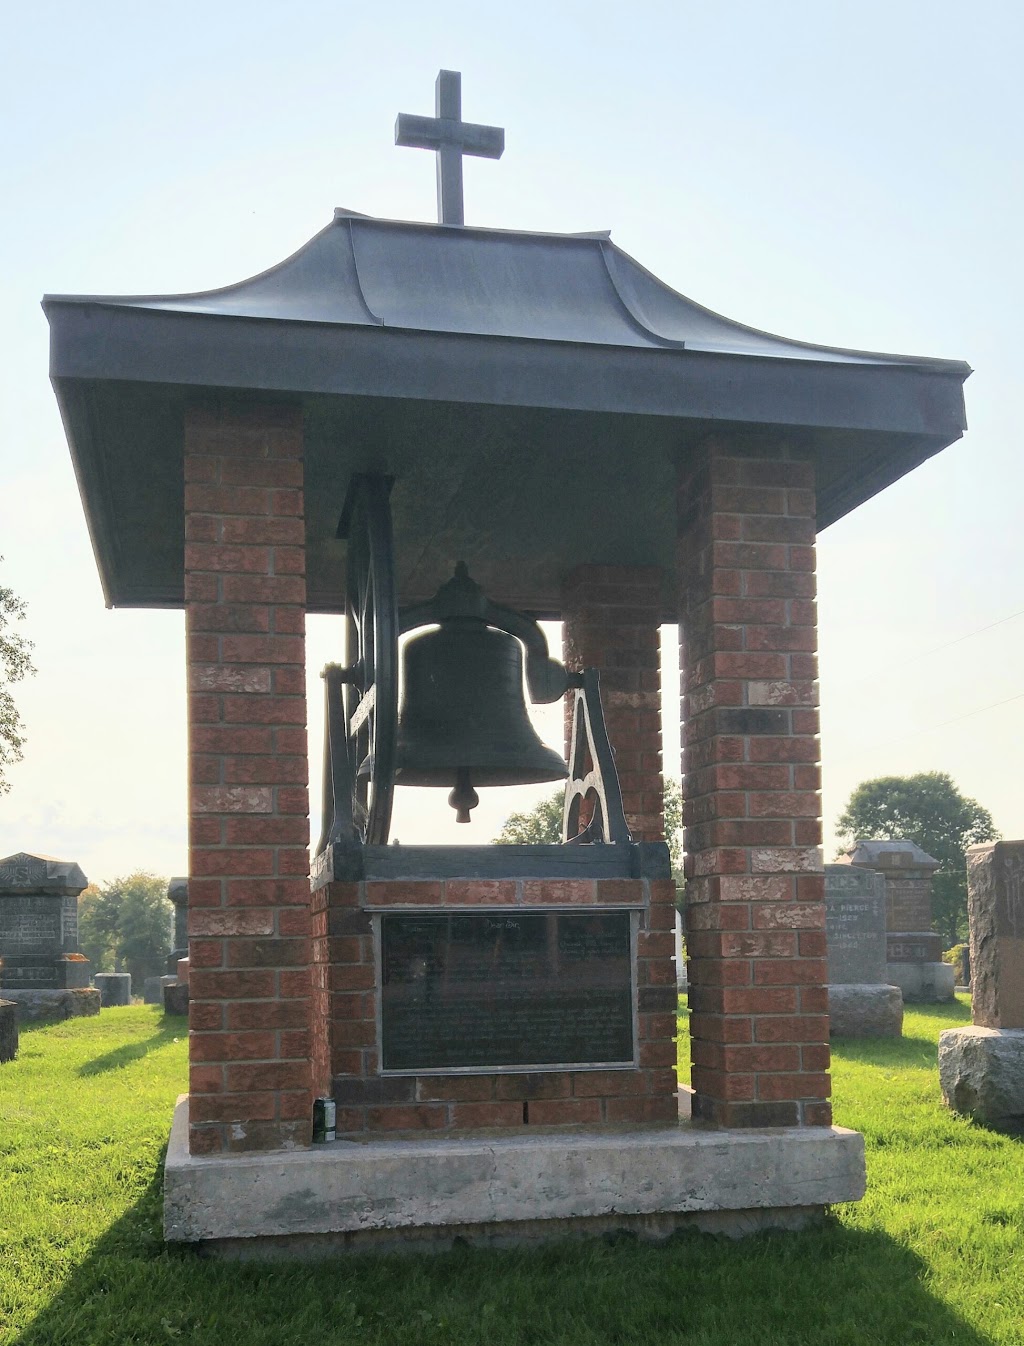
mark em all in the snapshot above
pixel 515 990
pixel 855 925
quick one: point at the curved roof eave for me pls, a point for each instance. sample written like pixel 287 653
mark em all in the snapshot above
pixel 577 288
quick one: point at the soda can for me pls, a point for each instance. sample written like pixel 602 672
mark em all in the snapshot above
pixel 325 1127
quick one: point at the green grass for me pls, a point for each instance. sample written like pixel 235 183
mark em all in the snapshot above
pixel 935 1253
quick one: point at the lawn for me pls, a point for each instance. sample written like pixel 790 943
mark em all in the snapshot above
pixel 935 1252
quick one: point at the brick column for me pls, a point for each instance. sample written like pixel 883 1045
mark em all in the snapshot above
pixel 612 616
pixel 752 809
pixel 249 930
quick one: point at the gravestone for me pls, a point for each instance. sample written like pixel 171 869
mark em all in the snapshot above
pixel 43 969
pixel 913 949
pixel 981 1068
pixel 174 990
pixel 177 891
pixel 115 988
pixel 175 998
pixel 8 1031
pixel 153 989
pixel 862 1003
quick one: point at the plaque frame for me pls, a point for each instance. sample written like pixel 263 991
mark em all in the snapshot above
pixel 448 912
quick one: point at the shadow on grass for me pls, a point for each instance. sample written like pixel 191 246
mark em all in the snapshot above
pixel 167 1030
pixel 834 1286
pixel 891 1052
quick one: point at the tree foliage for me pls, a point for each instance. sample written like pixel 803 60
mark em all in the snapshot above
pixel 542 825
pixel 15 664
pixel 125 926
pixel 929 809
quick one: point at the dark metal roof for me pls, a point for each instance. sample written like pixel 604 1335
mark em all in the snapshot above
pixel 538 388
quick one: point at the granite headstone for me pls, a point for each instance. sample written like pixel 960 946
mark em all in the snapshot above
pixel 981 1068
pixel 913 949
pixel 177 891
pixel 42 968
pixel 862 1001
pixel 855 925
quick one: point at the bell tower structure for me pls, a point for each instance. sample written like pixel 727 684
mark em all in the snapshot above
pixel 489 1022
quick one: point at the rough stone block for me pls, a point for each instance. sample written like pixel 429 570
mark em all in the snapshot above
pixel 865 1011
pixel 46 1006
pixel 176 998
pixel 923 983
pixel 981 1074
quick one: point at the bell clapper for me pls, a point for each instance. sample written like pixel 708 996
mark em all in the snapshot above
pixel 463 798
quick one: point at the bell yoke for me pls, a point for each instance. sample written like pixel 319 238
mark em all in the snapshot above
pixel 463 717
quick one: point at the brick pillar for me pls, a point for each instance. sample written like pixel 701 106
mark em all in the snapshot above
pixel 249 921
pixel 752 809
pixel 612 616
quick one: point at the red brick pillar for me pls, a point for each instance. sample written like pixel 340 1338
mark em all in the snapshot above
pixel 752 809
pixel 249 945
pixel 612 616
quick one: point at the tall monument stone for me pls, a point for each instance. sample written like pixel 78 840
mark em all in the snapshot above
pixel 981 1068
pixel 41 962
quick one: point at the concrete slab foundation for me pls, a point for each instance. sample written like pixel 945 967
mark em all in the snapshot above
pixel 981 1074
pixel 500 1188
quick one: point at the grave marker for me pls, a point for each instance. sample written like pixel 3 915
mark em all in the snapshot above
pixel 42 967
pixel 862 1003
pixel 981 1068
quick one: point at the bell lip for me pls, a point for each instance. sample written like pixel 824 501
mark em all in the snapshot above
pixel 483 778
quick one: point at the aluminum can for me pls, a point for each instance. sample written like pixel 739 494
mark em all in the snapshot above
pixel 325 1127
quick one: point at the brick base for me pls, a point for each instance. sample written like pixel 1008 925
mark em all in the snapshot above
pixel 346 1050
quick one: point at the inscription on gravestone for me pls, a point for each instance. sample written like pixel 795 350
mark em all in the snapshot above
pixel 506 990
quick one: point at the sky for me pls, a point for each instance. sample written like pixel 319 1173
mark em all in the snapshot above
pixel 848 175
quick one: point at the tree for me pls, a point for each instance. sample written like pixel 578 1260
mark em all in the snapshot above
pixel 543 825
pixel 929 809
pixel 125 925
pixel 15 664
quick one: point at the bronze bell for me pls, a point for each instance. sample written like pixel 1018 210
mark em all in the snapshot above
pixel 463 718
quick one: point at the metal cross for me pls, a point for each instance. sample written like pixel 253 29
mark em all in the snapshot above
pixel 451 138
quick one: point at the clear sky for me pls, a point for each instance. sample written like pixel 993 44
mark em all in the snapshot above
pixel 844 174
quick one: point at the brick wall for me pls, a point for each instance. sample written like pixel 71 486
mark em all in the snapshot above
pixel 612 617
pixel 369 1101
pixel 249 930
pixel 752 809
